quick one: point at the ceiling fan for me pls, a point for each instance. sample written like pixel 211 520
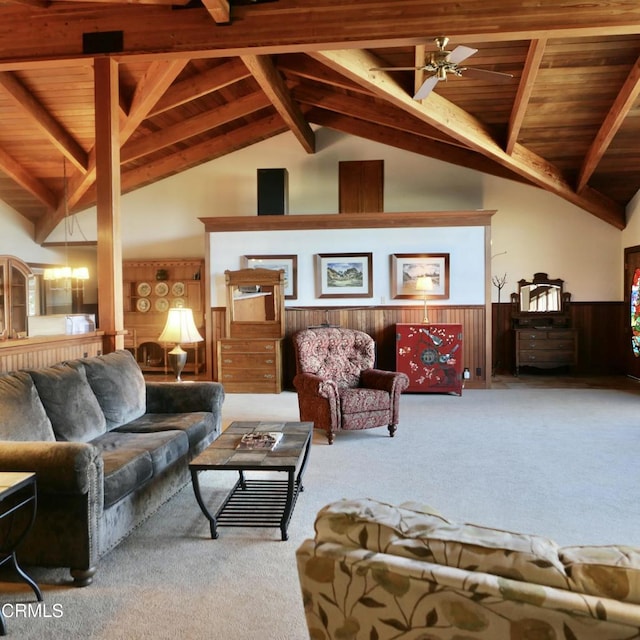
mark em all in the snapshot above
pixel 442 62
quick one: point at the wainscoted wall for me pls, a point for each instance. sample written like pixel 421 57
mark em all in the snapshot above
pixel 599 324
pixel 601 346
pixel 33 353
pixel 379 323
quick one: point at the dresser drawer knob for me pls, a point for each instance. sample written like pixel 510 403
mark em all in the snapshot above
pixel 269 347
pixel 228 360
pixel 268 376
pixel 226 346
pixel 268 361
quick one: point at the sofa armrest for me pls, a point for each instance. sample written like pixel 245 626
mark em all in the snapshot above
pixel 390 381
pixel 60 467
pixel 308 384
pixel 184 397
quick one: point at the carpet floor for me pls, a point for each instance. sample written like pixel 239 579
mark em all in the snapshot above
pixel 559 461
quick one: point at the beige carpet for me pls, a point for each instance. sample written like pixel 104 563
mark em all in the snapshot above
pixel 560 462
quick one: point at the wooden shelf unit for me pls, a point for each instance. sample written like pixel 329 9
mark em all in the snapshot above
pixel 181 284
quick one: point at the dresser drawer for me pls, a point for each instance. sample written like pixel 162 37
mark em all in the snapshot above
pixel 558 357
pixel 541 345
pixel 248 346
pixel 229 360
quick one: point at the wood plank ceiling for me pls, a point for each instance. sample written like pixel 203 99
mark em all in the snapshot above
pixel 200 80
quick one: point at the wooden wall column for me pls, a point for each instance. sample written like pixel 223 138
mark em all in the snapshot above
pixel 107 148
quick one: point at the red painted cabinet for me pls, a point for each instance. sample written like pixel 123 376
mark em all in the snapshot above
pixel 431 355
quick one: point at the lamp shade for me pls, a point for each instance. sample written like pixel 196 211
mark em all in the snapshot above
pixel 180 327
pixel 424 283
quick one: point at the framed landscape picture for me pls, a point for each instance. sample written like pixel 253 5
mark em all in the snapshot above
pixel 344 275
pixel 288 263
pixel 406 268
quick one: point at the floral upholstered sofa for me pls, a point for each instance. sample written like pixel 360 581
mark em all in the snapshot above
pixel 376 571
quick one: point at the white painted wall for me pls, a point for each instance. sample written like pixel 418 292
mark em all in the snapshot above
pixel 539 231
pixel 465 246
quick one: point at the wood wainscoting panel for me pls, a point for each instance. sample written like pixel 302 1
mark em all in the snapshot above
pixel 379 323
pixel 35 353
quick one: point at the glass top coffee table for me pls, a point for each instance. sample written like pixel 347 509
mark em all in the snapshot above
pixel 267 502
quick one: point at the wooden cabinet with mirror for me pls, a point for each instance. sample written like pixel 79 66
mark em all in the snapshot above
pixel 16 297
pixel 250 357
pixel 544 337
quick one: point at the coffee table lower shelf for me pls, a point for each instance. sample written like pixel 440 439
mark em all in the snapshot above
pixel 254 502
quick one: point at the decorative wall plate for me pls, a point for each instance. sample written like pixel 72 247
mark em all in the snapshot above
pixel 178 302
pixel 143 289
pixel 143 305
pixel 162 288
pixel 162 304
pixel 177 289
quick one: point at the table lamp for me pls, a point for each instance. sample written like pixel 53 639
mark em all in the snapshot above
pixel 180 328
pixel 424 284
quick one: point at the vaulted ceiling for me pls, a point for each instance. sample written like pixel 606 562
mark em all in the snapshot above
pixel 201 80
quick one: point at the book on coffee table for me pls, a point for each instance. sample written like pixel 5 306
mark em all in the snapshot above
pixel 262 440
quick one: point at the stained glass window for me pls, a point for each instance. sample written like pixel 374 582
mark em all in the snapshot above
pixel 635 313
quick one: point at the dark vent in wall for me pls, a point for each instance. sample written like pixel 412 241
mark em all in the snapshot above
pixel 103 42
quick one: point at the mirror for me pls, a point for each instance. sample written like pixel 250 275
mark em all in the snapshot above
pixel 541 298
pixel 255 303
pixel 541 295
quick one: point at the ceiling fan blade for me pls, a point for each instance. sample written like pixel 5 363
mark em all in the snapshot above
pixel 481 74
pixel 426 88
pixel 395 68
pixel 461 53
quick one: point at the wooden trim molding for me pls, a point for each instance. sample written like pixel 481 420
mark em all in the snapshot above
pixel 305 222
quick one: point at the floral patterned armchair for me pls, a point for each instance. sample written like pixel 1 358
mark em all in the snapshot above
pixel 407 573
pixel 337 386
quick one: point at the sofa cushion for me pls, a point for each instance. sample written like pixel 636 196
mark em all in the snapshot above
pixel 361 400
pixel 606 571
pixel 130 459
pixel 399 531
pixel 70 403
pixel 118 383
pixel 197 425
pixel 22 414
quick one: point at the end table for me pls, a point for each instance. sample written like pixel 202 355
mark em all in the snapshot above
pixel 18 502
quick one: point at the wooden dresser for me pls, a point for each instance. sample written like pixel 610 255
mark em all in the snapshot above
pixel 546 349
pixel 544 337
pixel 250 356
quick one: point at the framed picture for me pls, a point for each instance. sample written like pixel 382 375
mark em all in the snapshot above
pixel 433 268
pixel 288 263
pixel 344 275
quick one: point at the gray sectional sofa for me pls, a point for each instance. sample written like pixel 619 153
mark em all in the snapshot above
pixel 107 448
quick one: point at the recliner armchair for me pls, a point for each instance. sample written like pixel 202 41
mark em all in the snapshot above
pixel 337 386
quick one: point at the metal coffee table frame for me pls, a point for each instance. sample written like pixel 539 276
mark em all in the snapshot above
pixel 255 502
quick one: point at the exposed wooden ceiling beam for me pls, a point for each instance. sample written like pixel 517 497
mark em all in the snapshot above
pixel 193 126
pixel 152 85
pixel 59 137
pixel 271 82
pixel 149 90
pixel 460 125
pixel 615 117
pixel 240 138
pixel 291 25
pixel 219 10
pixel 21 176
pixel 361 107
pixel 408 141
pixel 523 95
pixel 201 84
